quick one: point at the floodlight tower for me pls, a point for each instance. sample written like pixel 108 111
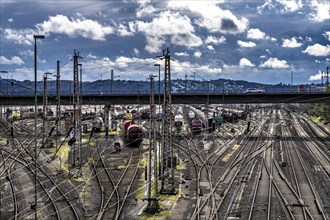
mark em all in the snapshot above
pixel 35 205
pixel 167 160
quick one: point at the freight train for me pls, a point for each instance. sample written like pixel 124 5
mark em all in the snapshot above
pixel 133 134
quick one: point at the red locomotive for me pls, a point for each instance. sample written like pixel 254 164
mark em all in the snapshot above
pixel 196 126
pixel 133 134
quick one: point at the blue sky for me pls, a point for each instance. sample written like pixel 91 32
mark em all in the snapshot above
pixel 253 40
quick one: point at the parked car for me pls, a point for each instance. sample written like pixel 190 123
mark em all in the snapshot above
pixel 254 90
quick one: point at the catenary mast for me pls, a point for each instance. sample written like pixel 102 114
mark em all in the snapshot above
pixel 167 160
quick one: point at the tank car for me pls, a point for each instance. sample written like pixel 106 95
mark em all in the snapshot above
pixel 133 134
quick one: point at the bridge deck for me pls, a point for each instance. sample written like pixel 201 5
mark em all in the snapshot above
pixel 245 98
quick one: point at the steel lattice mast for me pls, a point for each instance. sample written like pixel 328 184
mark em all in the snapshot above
pixel 167 171
pixel 152 167
pixel 45 125
pixel 76 111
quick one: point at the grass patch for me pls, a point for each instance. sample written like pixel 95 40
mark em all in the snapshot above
pixel 181 167
pixel 3 141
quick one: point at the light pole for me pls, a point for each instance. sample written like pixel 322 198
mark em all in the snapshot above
pixel 35 123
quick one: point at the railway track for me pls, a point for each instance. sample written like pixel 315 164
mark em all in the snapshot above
pixel 55 200
pixel 115 177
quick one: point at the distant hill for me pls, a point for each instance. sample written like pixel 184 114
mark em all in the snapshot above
pixel 14 87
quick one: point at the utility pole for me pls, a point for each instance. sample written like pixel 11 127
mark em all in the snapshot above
pixel 327 76
pixel 322 74
pixel 111 81
pixel 106 119
pixel 194 81
pixel 76 124
pixel 45 125
pixel 152 179
pixel 80 115
pixel 58 106
pixel 185 83
pixel 167 161
pixel 101 84
pixel 291 81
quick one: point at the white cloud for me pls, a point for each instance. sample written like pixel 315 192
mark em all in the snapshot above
pixel 245 63
pixel 267 5
pixel 122 31
pixel 15 60
pixel 321 10
pixel 173 25
pixel 246 44
pixel 73 28
pixel 199 69
pixel 144 11
pixel 23 36
pixel 215 40
pixel 197 54
pixel 210 47
pixel 317 76
pixel 318 50
pixel 275 63
pixel 309 39
pixel 181 54
pixel 27 53
pixel 136 51
pixel 292 43
pixel 211 17
pixel 327 35
pixel 91 56
pixel 10 20
pixel 290 5
pixel 255 33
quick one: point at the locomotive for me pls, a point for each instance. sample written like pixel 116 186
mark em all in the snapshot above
pixel 196 126
pixel 178 120
pixel 97 124
pixel 133 134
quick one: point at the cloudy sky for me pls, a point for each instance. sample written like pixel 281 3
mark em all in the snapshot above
pixel 253 40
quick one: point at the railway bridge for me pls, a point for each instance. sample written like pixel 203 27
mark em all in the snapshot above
pixel 188 98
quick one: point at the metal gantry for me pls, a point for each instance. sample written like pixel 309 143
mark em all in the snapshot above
pixel 167 160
